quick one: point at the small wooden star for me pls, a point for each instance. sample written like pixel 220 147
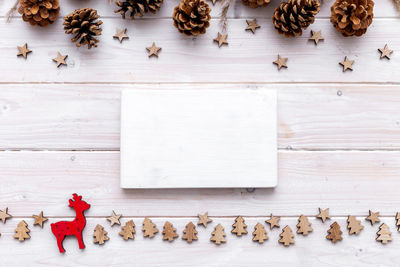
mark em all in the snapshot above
pixel 281 62
pixel 273 222
pixel 121 35
pixel 385 52
pixel 323 214
pixel 221 39
pixel 347 64
pixel 23 51
pixel 4 215
pixel 316 37
pixel 114 218
pixel 373 217
pixel 203 219
pixel 252 25
pixel 60 59
pixel 39 219
pixel 153 50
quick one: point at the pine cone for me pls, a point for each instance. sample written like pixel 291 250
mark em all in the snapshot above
pixel 352 17
pixel 39 12
pixel 83 23
pixel 255 3
pixel 138 7
pixel 192 17
pixel 293 16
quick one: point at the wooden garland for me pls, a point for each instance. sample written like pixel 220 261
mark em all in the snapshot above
pixel 149 228
pixel 384 235
pixel 190 233
pixel 286 236
pixel 169 232
pixel 21 232
pixel 239 227
pixel 354 225
pixel 128 231
pixel 259 234
pixel 203 219
pixel 304 226
pixel 334 233
pixel 100 235
pixel 218 235
pixel 398 221
pixel 39 219
pixel 373 217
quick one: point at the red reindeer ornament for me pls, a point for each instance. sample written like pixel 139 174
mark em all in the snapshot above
pixel 63 228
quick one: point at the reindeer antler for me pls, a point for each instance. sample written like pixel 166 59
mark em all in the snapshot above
pixel 76 197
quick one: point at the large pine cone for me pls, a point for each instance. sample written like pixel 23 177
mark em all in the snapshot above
pixel 192 17
pixel 39 12
pixel 83 23
pixel 352 17
pixel 255 3
pixel 138 7
pixel 293 16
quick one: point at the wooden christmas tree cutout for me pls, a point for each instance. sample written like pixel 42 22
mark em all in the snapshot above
pixel 398 221
pixel 354 225
pixel 4 215
pixel 203 219
pixel 169 232
pixel 373 217
pixel 128 231
pixel 149 228
pixel 323 214
pixel 334 233
pixel 190 233
pixel 218 235
pixel 39 219
pixel 239 227
pixel 304 226
pixel 286 236
pixel 22 231
pixel 384 234
pixel 100 235
pixel 259 234
pixel 273 222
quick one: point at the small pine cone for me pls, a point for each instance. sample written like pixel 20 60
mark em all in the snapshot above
pixel 138 7
pixel 255 3
pixel 83 23
pixel 192 17
pixel 293 16
pixel 352 17
pixel 39 12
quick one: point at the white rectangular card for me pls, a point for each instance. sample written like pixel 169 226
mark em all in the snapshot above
pixel 199 138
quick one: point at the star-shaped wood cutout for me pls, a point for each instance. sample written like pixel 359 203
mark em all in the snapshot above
pixel 316 37
pixel 60 59
pixel 252 25
pixel 221 39
pixel 153 50
pixel 114 218
pixel 39 219
pixel 23 51
pixel 347 64
pixel 203 219
pixel 373 217
pixel 4 215
pixel 323 214
pixel 281 62
pixel 273 222
pixel 385 52
pixel 121 35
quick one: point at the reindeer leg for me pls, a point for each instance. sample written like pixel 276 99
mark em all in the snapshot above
pixel 80 240
pixel 60 245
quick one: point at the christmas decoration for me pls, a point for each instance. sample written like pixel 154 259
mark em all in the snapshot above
pixel 304 226
pixel 84 25
pixel 39 219
pixel 39 12
pixel 121 35
pixel 128 231
pixel 203 219
pixel 149 228
pixel 281 62
pixel 286 236
pixel 373 217
pixel 114 218
pixel 192 17
pixel 384 235
pixel 23 51
pixel 316 37
pixel 354 225
pixel 22 231
pixel 352 17
pixel 169 232
pixel 334 233
pixel 153 50
pixel 323 214
pixel 291 17
pixel 252 25
pixel 190 233
pixel 259 234
pixel 398 221
pixel 221 39
pixel 213 1
pixel 100 235
pixel 239 227
pixel 64 228
pixel 347 64
pixel 137 7
pixel 4 215
pixel 255 3
pixel 273 222
pixel 385 52
pixel 218 235
pixel 60 59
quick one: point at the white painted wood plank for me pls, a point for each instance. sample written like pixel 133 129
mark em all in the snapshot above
pixel 86 117
pixel 312 250
pixel 348 182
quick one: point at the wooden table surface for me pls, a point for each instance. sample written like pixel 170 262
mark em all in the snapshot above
pixel 339 137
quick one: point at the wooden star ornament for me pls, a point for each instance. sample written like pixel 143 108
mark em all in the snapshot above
pixel 153 50
pixel 121 35
pixel 373 217
pixel 281 62
pixel 114 218
pixel 347 64
pixel 60 59
pixel 316 37
pixel 23 51
pixel 203 219
pixel 273 221
pixel 221 39
pixel 323 214
pixel 385 52
pixel 4 215
pixel 39 219
pixel 252 25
